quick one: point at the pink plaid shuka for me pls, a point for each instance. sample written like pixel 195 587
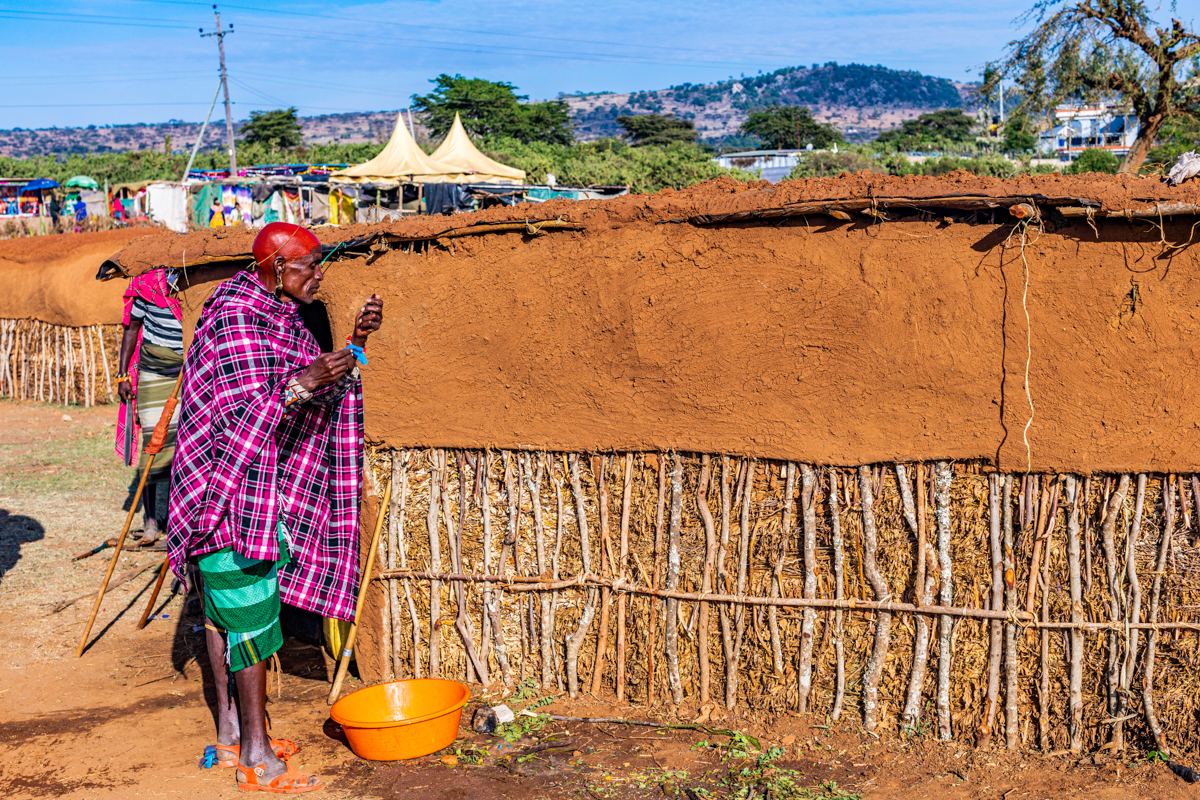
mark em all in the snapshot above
pixel 153 288
pixel 243 463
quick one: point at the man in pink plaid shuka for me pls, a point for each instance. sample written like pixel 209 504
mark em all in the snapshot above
pixel 268 472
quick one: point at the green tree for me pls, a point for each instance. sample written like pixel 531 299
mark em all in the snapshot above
pixel 783 127
pixel 948 125
pixel 276 129
pixel 1097 50
pixel 658 129
pixel 1019 136
pixel 1094 160
pixel 493 108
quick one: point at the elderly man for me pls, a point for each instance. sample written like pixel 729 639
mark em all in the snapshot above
pixel 264 496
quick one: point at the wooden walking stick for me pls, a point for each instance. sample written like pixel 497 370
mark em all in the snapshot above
pixel 162 575
pixel 157 440
pixel 348 648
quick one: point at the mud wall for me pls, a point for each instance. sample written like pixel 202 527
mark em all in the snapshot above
pixel 52 278
pixel 840 344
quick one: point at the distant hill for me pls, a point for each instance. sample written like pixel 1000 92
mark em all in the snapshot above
pixel 328 128
pixel 861 101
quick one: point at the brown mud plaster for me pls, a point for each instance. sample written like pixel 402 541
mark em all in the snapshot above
pixel 52 278
pixel 804 339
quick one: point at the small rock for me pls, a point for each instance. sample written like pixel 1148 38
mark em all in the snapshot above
pixel 66 417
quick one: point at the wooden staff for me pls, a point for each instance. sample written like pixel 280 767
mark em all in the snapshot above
pixel 839 583
pixel 364 584
pixel 622 600
pixel 942 478
pixel 162 575
pixel 883 622
pixel 157 441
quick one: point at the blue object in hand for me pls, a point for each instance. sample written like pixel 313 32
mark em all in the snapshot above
pixel 360 354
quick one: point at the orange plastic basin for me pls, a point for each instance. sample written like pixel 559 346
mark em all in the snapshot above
pixel 401 719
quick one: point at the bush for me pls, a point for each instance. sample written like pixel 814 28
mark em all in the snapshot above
pixel 1094 160
pixel 826 164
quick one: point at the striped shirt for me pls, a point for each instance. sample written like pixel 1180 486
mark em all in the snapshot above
pixel 159 325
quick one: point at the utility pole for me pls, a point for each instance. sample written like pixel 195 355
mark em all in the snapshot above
pixel 221 34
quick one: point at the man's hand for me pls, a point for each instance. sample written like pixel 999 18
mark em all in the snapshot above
pixel 325 369
pixel 125 391
pixel 369 320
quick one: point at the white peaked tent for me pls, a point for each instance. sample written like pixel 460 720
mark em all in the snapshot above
pixel 401 160
pixel 472 166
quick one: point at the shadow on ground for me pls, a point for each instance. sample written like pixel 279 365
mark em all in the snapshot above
pixel 16 530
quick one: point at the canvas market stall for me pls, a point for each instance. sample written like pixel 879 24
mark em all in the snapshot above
pixel 918 452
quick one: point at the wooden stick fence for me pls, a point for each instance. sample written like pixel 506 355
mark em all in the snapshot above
pixel 58 364
pixel 845 584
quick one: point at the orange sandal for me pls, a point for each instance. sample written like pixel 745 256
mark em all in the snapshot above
pixel 290 782
pixel 226 755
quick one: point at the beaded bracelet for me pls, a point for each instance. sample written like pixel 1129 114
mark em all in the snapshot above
pixel 123 378
pixel 294 393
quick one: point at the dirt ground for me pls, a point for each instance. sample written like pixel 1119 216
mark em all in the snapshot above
pixel 131 717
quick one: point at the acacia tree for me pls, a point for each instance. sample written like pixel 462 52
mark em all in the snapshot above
pixel 1091 50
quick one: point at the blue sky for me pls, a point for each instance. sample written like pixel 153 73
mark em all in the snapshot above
pixel 121 61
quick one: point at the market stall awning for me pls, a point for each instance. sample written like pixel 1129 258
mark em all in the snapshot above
pixel 37 184
pixel 401 160
pixel 82 182
pixel 472 166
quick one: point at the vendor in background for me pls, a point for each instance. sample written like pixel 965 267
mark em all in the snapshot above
pixel 150 359
pixel 216 215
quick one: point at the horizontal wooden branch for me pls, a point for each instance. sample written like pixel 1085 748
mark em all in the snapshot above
pixel 1157 210
pixel 871 206
pixel 521 583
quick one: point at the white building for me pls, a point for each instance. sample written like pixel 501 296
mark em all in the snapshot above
pixel 1102 126
pixel 775 164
